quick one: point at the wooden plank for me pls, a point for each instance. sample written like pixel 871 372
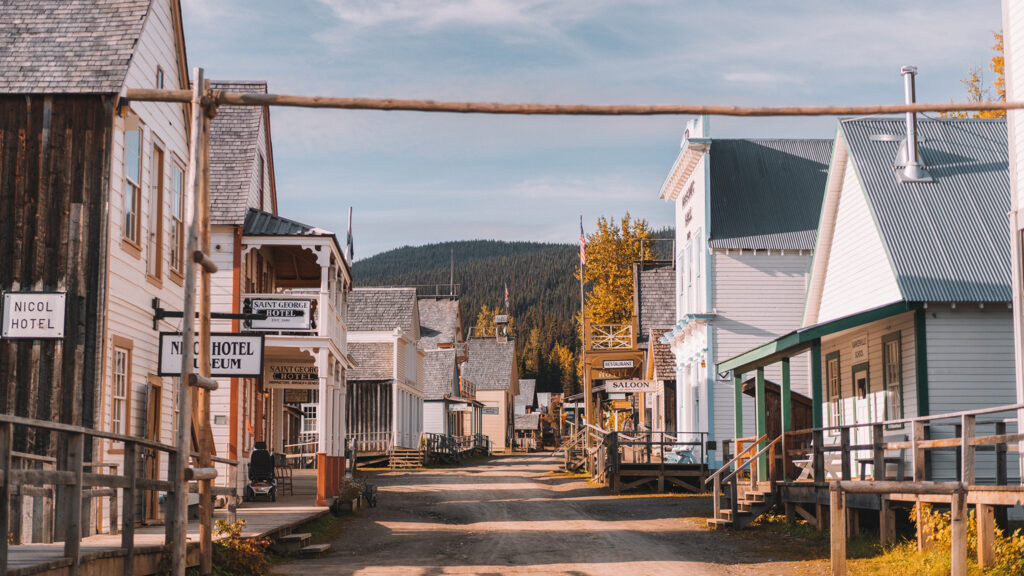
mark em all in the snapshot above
pixel 73 502
pixel 958 519
pixel 967 460
pixel 986 536
pixel 887 523
pixel 40 477
pixel 878 452
pixel 128 509
pixel 917 451
pixel 837 528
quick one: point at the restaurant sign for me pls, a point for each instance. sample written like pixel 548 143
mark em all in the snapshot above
pixel 284 314
pixel 238 355
pixel 292 376
pixel 631 386
pixel 33 315
pixel 613 364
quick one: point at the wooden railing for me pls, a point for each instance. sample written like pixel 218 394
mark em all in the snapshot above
pixel 611 337
pixel 370 441
pixel 74 482
pixel 453 448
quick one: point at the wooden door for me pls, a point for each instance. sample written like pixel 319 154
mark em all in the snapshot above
pixel 151 462
pixel 862 398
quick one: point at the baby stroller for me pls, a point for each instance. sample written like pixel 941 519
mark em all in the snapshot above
pixel 261 474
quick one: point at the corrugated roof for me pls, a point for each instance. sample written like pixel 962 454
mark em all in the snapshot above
pixel 527 388
pixel 260 223
pixel 947 240
pixel 655 295
pixel 439 321
pixel 490 363
pixel 374 360
pixel 767 194
pixel 439 374
pixel 381 309
pixel 68 46
pixel 234 142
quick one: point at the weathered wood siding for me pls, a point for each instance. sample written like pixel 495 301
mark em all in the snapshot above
pixel 757 297
pixel 54 165
pixel 858 275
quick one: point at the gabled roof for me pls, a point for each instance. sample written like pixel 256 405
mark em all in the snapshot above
pixel 527 421
pixel 382 309
pixel 374 360
pixel 234 142
pixel 946 240
pixel 490 363
pixel 438 374
pixel 661 354
pixel 439 321
pixel 655 286
pixel 527 388
pixel 68 46
pixel 766 194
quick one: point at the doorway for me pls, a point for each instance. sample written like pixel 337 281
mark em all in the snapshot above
pixel 862 398
pixel 151 458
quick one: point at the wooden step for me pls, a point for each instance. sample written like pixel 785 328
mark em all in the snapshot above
pixel 289 544
pixel 314 549
pixel 715 523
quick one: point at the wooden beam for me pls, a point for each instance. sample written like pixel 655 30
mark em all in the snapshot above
pixel 237 99
pixel 816 395
pixel 837 528
pixel 958 520
pixel 986 536
pixel 737 381
pixel 6 444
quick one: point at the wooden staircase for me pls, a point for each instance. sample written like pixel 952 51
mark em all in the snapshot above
pixel 405 459
pixel 749 505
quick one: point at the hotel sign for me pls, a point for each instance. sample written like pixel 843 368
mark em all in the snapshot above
pixel 33 315
pixel 612 386
pixel 282 314
pixel 237 355
pixel 613 364
pixel 292 376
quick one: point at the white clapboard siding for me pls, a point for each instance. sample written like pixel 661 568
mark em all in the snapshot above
pixel 757 297
pixel 222 244
pixel 858 275
pixel 1013 27
pixel 433 418
pixel 970 366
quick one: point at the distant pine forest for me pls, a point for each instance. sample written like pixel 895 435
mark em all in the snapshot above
pixel 544 294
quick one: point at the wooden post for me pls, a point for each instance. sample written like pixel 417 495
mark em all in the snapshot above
pixel 787 416
pixel 762 424
pixel 6 438
pixel 986 535
pixel 613 455
pixel 183 442
pixel 887 522
pixel 128 510
pixel 837 529
pixel 917 452
pixel 73 501
pixel 716 497
pixel 878 452
pixel 958 518
pixel 816 394
pixel 818 455
pixel 737 383
pixel 844 445
pixel 203 414
pixel 967 451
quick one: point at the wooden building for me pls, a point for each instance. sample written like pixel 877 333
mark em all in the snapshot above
pixel 654 306
pixel 385 401
pixel 449 400
pixel 747 213
pixel 492 367
pixel 91 187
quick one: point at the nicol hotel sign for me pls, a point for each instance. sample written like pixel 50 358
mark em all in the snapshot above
pixel 35 315
pixel 238 355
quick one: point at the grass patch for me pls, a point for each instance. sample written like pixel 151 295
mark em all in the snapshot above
pixel 326 528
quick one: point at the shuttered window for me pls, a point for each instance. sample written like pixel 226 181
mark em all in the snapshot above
pixel 119 391
pixel 835 389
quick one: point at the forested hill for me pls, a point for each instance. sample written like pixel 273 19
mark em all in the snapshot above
pixel 539 276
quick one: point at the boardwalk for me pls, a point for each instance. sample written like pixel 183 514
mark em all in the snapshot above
pixel 509 515
pixel 261 518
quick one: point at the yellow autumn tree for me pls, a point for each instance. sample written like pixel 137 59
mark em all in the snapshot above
pixel 611 251
pixel 563 357
pixel 977 91
pixel 485 321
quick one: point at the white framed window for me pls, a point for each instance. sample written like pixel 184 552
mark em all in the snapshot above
pixel 159 78
pixel 132 184
pixel 177 237
pixel 119 390
pixel 308 423
pixel 892 376
pixel 833 378
pixel 155 248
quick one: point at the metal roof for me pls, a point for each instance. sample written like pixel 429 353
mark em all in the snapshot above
pixel 260 223
pixel 767 194
pixel 947 240
pixel 68 47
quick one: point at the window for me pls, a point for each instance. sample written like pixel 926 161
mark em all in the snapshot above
pixel 309 419
pixel 159 78
pixel 698 287
pixel 177 240
pixel 132 184
pixel 119 393
pixel 892 376
pixel 835 389
pixel 155 247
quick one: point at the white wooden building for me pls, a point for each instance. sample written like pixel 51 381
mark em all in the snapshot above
pixel 746 217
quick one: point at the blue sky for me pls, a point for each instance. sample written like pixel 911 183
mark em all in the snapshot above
pixel 417 178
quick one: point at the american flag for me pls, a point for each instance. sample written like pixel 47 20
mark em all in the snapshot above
pixel 583 244
pixel 506 295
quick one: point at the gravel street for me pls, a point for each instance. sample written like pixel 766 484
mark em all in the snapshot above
pixel 512 515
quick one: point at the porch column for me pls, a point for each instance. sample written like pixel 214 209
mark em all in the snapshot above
pixel 762 460
pixel 786 404
pixel 737 381
pixel 816 384
pixel 278 419
pixel 322 488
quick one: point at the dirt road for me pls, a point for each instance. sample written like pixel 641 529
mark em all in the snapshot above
pixel 511 515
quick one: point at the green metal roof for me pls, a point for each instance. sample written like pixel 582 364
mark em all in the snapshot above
pixel 803 338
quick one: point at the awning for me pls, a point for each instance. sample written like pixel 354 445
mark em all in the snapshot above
pixel 802 339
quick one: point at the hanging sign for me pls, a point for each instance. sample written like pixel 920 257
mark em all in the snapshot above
pixel 460 407
pixel 238 355
pixel 489 410
pixel 630 386
pixel 612 364
pixel 292 376
pixel 33 315
pixel 284 314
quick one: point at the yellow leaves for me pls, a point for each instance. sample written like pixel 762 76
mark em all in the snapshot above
pixel 974 84
pixel 611 251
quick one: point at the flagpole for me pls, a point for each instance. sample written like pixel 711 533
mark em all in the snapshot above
pixel 583 335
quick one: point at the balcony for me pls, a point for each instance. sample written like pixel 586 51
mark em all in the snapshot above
pixel 611 337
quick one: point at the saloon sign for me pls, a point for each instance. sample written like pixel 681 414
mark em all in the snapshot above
pixel 35 315
pixel 285 314
pixel 238 355
pixel 612 386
